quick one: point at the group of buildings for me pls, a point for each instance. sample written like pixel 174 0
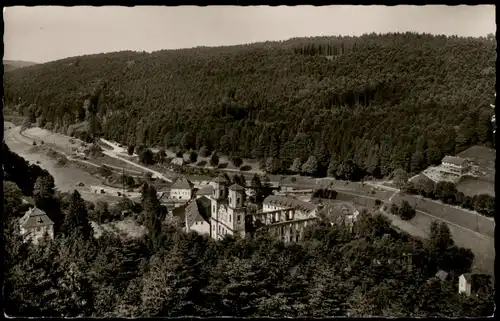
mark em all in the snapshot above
pixel 219 209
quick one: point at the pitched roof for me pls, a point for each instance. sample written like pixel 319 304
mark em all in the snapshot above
pixel 468 277
pixel 442 275
pixel 454 160
pixel 180 212
pixel 205 190
pixel 196 211
pixel 220 179
pixel 287 201
pixel 237 188
pixel 35 217
pixel 182 183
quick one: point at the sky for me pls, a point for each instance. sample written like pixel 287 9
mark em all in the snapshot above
pixel 46 33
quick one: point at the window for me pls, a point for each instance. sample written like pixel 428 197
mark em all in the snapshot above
pixel 230 218
pixel 230 199
pixel 214 209
pixel 213 228
pixel 238 201
pixel 291 238
pixel 219 228
pixel 239 218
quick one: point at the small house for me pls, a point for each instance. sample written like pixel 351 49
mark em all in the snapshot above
pixel 35 224
pixel 181 189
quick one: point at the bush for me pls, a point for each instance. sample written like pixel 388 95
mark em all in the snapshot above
pixel 394 209
pixel 406 212
pixel 193 157
pixel 130 150
pixel 179 154
pixel 214 160
pixel 237 161
pixel 325 193
pixel 204 152
pixel 202 163
pixel 245 168
pixel 34 143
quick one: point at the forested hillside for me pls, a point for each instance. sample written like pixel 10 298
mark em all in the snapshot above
pixel 374 103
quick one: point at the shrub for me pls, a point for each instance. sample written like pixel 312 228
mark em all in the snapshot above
pixel 202 163
pixel 130 150
pixel 214 160
pixel 179 154
pixel 193 157
pixel 237 161
pixel 394 209
pixel 406 212
pixel 245 168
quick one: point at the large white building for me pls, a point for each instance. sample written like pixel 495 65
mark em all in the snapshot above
pixel 220 210
pixel 35 224
pixel 455 165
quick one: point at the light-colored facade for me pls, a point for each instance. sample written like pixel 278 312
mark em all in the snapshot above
pixel 182 189
pixel 465 284
pixel 228 209
pixel 35 224
pixel 455 165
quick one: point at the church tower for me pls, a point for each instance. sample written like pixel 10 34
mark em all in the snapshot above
pixel 217 199
pixel 236 209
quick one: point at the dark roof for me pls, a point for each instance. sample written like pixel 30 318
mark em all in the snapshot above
pixel 287 201
pixel 180 212
pixel 35 217
pixel 205 190
pixel 196 211
pixel 182 183
pixel 236 187
pixel 442 275
pixel 454 160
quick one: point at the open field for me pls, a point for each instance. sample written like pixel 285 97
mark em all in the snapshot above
pixel 66 177
pixel 485 158
pixel 466 219
pixel 472 186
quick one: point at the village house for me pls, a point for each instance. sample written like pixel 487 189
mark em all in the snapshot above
pixel 454 165
pixel 35 224
pixel 182 189
pixel 197 215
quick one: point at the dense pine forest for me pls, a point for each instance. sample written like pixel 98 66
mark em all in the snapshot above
pixel 368 104
pixel 367 270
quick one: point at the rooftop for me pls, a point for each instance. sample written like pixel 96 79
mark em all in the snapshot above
pixel 220 179
pixel 287 201
pixel 35 217
pixel 442 275
pixel 182 183
pixel 236 187
pixel 205 190
pixel 454 160
pixel 198 211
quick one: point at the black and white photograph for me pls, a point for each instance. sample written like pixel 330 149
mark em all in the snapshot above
pixel 249 161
